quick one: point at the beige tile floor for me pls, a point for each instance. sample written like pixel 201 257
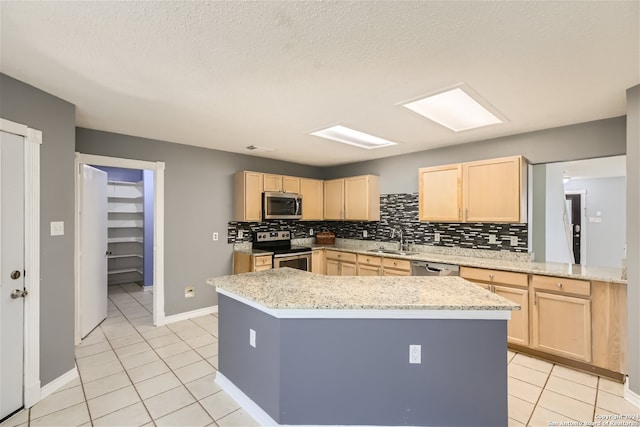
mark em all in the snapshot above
pixel 132 373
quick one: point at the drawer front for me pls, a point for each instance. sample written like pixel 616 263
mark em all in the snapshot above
pixel 562 285
pixel 398 264
pixel 494 276
pixel 342 256
pixel 260 261
pixel 369 260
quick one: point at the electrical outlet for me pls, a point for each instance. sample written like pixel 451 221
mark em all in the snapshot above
pixel 415 354
pixel 364 234
pixel 240 234
pixel 215 237
pixel 514 240
pixel 57 228
pixel 492 239
pixel 436 237
pixel 189 292
pixel 311 232
pixel 252 338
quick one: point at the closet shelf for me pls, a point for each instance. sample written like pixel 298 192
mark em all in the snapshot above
pixel 124 256
pixel 125 270
pixel 125 209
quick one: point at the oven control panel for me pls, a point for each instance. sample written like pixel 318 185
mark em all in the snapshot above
pixel 269 236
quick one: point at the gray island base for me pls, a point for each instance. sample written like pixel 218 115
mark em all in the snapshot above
pixel 297 348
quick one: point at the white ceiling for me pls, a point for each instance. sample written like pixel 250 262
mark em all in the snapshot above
pixel 226 75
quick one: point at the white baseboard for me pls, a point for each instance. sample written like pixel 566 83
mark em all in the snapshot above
pixel 630 395
pixel 56 384
pixel 189 315
pixel 245 402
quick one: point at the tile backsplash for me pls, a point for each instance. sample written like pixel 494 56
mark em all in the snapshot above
pixel 398 210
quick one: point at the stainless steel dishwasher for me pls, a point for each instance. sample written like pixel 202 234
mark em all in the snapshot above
pixel 426 268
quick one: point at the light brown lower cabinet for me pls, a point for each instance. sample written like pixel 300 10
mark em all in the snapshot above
pixel 318 261
pixel 396 267
pixel 561 320
pixel 609 320
pixel 512 286
pixel 369 265
pixel 245 263
pixel 341 263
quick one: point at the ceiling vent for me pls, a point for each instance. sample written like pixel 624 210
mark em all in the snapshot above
pixel 259 148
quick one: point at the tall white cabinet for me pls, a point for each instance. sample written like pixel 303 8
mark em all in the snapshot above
pixel 126 233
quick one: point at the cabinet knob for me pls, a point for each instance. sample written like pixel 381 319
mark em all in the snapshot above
pixel 491 276
pixel 395 263
pixel 559 285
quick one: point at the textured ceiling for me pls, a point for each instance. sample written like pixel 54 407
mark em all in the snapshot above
pixel 226 75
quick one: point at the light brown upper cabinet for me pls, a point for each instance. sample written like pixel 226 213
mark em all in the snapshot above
pixel 485 191
pixel 362 198
pixel 440 193
pixel 280 183
pixel 248 196
pixel 356 198
pixel 334 199
pixel 495 190
pixel 312 191
pixel 272 182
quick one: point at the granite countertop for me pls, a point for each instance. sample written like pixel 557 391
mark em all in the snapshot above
pixel 290 289
pixel 572 271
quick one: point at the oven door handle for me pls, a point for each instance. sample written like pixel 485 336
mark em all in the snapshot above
pixel 291 255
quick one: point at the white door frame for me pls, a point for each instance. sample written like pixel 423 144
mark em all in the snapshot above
pixel 583 221
pixel 32 142
pixel 158 228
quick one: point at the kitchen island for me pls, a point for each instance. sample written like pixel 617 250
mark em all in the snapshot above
pixel 297 348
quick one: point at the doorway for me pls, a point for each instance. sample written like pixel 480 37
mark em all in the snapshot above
pixel 575 221
pixel 575 203
pixel 156 169
pixel 20 267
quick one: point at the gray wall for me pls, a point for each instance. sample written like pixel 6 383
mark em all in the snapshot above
pixel 633 235
pixel 198 202
pixel 604 240
pixel 356 371
pixel 399 174
pixel 27 105
pixel 538 227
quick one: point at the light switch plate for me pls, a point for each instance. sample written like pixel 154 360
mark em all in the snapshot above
pixel 57 228
pixel 252 338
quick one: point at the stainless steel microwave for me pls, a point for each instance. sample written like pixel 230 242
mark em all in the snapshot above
pixel 281 205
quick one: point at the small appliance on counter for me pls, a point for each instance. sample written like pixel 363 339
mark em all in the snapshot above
pixel 326 238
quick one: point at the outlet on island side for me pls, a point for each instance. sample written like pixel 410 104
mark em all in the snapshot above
pixel 189 292
pixel 252 338
pixel 415 354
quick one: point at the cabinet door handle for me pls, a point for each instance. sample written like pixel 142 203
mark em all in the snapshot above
pixel 535 299
pixel 459 213
pixel 466 214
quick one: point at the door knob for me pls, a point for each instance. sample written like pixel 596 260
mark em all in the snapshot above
pixel 17 293
pixel 15 274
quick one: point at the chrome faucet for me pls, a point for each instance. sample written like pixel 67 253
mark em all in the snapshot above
pixel 400 242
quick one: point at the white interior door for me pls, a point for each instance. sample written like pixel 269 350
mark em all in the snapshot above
pixel 11 272
pixel 93 248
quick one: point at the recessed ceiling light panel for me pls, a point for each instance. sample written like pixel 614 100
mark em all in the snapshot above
pixel 454 109
pixel 352 137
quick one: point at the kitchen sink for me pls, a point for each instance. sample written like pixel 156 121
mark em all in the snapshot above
pixel 393 252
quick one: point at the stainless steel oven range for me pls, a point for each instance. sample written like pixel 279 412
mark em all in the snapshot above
pixel 284 253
